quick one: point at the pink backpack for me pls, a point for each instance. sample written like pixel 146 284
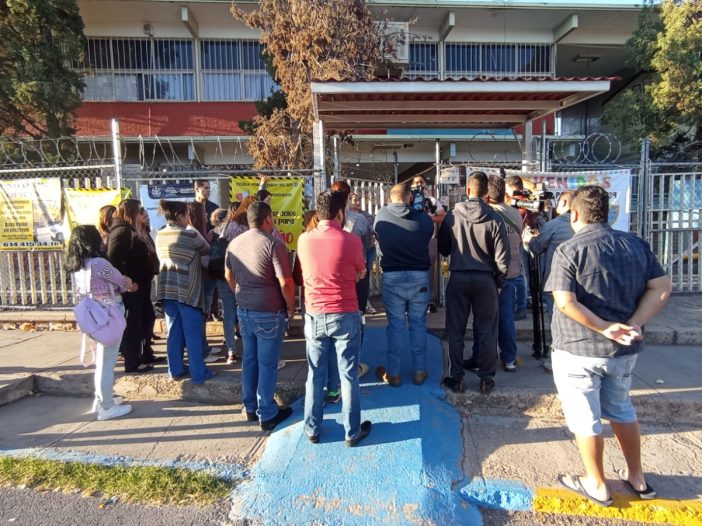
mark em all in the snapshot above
pixel 103 322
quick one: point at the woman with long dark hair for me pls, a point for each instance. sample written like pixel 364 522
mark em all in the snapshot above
pixel 180 288
pixel 129 253
pixel 93 274
pixel 144 230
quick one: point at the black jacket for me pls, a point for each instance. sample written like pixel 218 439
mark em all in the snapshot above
pixel 128 252
pixel 403 237
pixel 475 237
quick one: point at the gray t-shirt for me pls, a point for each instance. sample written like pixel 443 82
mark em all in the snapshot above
pixel 257 261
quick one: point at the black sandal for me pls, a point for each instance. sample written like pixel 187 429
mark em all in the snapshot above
pixel 646 494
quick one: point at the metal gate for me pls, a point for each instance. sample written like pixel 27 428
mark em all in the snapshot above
pixel 670 219
pixel 373 196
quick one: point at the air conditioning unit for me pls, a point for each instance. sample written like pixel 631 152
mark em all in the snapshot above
pixel 395 41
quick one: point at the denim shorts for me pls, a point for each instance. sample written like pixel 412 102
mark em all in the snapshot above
pixel 592 388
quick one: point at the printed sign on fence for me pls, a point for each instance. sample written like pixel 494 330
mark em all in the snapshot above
pixel 287 202
pixel 616 182
pixel 30 214
pixel 151 194
pixel 83 205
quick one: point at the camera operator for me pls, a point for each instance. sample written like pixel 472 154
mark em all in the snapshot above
pixel 515 193
pixel 547 238
pixel 425 202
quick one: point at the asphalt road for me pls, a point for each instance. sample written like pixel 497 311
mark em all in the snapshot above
pixel 26 507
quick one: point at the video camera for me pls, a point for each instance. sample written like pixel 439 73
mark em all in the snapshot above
pixel 531 202
pixel 421 202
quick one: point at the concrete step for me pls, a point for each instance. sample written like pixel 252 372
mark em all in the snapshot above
pixel 222 389
pixel 15 387
pixel 651 406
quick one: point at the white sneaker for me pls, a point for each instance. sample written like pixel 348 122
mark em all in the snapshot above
pixel 114 412
pixel 369 308
pixel 547 365
pixel 118 400
pixel 231 357
pixel 211 358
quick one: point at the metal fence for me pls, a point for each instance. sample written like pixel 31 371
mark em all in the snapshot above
pixel 373 196
pixel 36 278
pixel 670 219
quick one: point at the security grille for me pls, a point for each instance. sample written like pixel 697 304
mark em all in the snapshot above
pixel 464 59
pixel 233 70
pixel 138 69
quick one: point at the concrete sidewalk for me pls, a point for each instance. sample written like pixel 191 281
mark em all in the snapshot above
pixel 513 442
pixel 680 323
pixel 666 385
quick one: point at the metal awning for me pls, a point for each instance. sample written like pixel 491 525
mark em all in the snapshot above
pixel 478 103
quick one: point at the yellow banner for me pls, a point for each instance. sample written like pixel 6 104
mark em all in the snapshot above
pixel 30 214
pixel 83 205
pixel 287 202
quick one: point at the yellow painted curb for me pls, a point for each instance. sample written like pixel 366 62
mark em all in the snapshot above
pixel 625 507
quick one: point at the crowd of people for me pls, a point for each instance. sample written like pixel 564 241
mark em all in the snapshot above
pixel 600 287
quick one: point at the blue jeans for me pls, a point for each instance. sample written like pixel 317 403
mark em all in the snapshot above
pixel 228 307
pixel 507 335
pixel 229 311
pixel 262 335
pixel 340 335
pixel 406 291
pixel 185 328
pixel 521 292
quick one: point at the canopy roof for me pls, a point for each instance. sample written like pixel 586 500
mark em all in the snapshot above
pixel 478 103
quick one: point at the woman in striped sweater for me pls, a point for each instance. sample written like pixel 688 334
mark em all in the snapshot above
pixel 180 288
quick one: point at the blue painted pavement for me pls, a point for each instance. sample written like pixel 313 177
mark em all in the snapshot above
pixel 408 471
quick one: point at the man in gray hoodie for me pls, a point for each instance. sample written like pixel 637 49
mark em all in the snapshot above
pixel 475 237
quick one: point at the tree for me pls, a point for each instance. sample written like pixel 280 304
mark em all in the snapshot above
pixel 664 101
pixel 307 40
pixel 39 92
pixel 678 61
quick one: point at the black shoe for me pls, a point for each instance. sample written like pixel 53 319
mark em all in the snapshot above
pixel 487 384
pixel 139 370
pixel 454 384
pixel 154 360
pixel 431 308
pixel 314 439
pixel 283 413
pixel 250 417
pixel 363 433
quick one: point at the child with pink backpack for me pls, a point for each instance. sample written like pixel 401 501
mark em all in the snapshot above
pixel 99 312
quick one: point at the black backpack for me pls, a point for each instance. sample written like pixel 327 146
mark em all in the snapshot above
pixel 218 251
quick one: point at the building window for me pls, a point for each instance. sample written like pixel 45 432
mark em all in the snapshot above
pixel 233 70
pixel 423 62
pixel 132 69
pixel 499 60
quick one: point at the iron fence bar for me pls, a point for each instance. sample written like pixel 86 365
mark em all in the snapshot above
pixel 52 277
pixel 23 285
pixel 42 278
pixel 5 282
pixel 32 278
